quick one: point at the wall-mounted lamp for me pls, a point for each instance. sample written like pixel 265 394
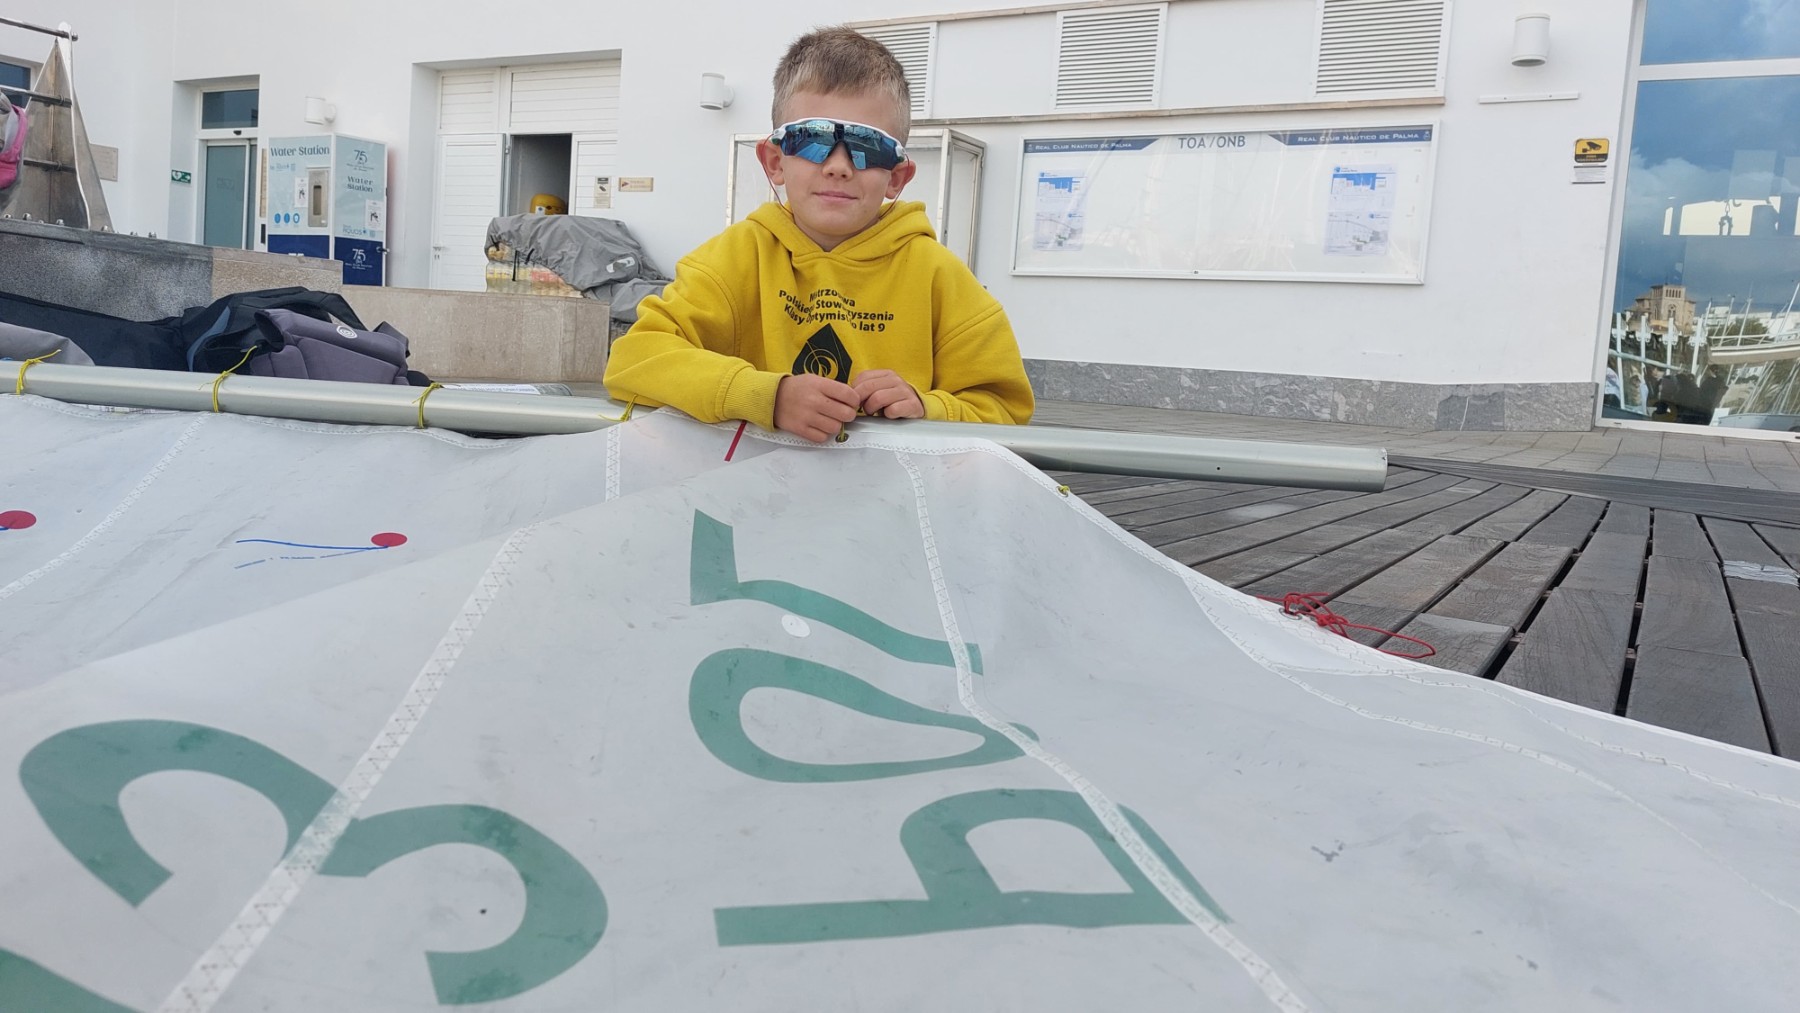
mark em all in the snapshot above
pixel 1531 40
pixel 320 111
pixel 714 92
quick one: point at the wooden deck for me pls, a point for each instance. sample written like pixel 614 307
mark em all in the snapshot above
pixel 1602 591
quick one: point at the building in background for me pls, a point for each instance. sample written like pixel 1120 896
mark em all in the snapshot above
pixel 1403 212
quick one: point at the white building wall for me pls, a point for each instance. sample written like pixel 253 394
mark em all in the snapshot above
pixel 122 57
pixel 1517 254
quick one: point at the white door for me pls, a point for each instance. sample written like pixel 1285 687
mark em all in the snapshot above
pixel 469 178
pixel 592 164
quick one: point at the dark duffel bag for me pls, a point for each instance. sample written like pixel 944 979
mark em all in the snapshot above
pixel 108 340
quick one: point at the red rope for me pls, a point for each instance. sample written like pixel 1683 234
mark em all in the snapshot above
pixel 1312 606
pixel 734 440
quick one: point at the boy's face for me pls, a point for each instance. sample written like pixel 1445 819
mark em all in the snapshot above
pixel 835 201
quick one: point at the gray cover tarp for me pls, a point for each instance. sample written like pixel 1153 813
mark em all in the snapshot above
pixel 302 717
pixel 599 256
pixel 23 343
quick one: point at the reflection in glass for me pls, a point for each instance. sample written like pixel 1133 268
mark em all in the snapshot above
pixel 13 75
pixel 221 110
pixel 227 184
pixel 1706 326
pixel 1704 31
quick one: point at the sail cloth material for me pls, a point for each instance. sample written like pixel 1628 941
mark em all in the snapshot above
pixel 296 717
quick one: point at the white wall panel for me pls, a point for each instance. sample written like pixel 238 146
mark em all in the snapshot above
pixel 564 100
pixel 469 102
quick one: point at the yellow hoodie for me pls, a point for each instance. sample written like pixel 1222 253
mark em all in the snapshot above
pixel 761 300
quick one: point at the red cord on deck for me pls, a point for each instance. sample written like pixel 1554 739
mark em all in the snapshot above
pixel 1312 606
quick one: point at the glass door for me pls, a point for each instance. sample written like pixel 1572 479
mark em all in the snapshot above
pixel 1705 318
pixel 228 214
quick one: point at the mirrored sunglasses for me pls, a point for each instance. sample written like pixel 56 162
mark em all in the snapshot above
pixel 815 140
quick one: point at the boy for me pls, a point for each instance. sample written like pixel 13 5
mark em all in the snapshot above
pixel 835 302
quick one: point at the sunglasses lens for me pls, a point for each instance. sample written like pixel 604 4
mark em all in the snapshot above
pixel 870 148
pixel 814 140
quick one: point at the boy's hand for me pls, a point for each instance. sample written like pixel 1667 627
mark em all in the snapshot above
pixel 883 392
pixel 813 407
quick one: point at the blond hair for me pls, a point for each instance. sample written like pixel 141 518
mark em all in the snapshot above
pixel 841 61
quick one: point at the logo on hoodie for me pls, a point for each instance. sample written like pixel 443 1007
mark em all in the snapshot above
pixel 824 355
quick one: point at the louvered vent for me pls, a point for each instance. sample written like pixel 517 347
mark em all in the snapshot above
pixel 1381 46
pixel 912 45
pixel 1109 57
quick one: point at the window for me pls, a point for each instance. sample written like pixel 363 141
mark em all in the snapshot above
pixel 224 110
pixel 13 75
pixel 1704 326
pixel 1702 31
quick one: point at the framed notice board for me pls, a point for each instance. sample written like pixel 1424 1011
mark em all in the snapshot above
pixel 1347 205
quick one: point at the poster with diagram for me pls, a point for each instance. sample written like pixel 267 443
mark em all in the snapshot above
pixel 1361 212
pixel 1057 216
pixel 1338 204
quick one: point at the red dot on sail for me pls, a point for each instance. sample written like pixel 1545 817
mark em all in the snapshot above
pixel 388 539
pixel 13 520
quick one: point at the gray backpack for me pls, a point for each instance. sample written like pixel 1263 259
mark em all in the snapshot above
pixel 303 347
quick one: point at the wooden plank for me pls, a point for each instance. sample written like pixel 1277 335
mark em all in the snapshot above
pixel 1511 522
pixel 1413 583
pixel 1243 567
pixel 1751 595
pixel 1454 518
pixel 1396 514
pixel 1685 607
pixel 1745 551
pixel 1625 519
pixel 1104 496
pixel 1181 497
pixel 1612 561
pixel 1085 482
pixel 1216 545
pixel 1757 585
pixel 1169 532
pixel 1673 533
pixel 1505 589
pixel 1701 694
pixel 1735 540
pixel 1772 642
pixel 1341 568
pixel 1683 488
pixel 1574 649
pixel 1382 618
pixel 1119 503
pixel 1173 510
pixel 1331 537
pixel 1462 645
pixel 1783 540
pixel 1569 524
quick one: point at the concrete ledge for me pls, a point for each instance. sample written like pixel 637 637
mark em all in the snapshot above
pixel 134 277
pixel 248 271
pixel 140 278
pixel 1540 407
pixel 521 338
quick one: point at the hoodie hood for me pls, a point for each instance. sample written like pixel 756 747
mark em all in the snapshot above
pixel 899 223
